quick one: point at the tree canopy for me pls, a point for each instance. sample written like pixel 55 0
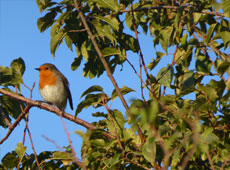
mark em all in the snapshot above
pixel 183 122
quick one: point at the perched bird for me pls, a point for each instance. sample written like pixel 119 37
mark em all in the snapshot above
pixel 53 86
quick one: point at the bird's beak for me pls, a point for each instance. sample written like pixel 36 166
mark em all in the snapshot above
pixel 37 69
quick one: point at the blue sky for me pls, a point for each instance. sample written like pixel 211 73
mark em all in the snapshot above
pixel 20 37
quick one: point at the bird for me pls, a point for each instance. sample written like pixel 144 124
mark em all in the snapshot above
pixel 54 86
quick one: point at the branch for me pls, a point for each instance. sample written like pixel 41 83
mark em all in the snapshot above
pixel 173 8
pixel 42 105
pixel 35 154
pixel 11 128
pixel 218 52
pixel 77 161
pixel 105 104
pixel 210 160
pixel 109 73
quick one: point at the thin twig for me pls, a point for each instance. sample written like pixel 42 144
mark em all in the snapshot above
pixel 53 142
pixel 210 59
pixel 105 104
pixel 139 46
pixel 35 154
pixel 77 161
pixel 199 33
pixel 225 163
pixel 174 55
pixel 20 117
pixel 210 160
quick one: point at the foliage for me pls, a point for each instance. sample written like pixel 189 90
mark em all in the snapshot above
pixel 188 129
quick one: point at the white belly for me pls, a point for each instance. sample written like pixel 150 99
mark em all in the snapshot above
pixel 55 95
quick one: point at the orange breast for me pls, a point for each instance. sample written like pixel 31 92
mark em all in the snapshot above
pixel 46 77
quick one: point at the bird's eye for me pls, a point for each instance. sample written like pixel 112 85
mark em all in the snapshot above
pixel 47 68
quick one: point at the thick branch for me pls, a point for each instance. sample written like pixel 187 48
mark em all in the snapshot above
pixel 54 110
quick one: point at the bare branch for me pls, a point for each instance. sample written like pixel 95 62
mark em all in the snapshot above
pixel 11 128
pixel 35 154
pixel 52 109
pixel 77 161
pixel 53 142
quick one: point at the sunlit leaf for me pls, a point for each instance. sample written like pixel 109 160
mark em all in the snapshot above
pixel 124 90
pixel 91 89
pixel 165 75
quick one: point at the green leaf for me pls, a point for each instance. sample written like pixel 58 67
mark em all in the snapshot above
pixel 183 41
pixel 226 8
pixel 98 142
pixel 68 42
pixel 165 76
pixel 76 63
pixel 210 32
pixel 20 150
pixel 11 106
pixel 110 51
pixel 196 16
pixel 203 64
pixel 119 121
pixel 223 67
pixel 10 160
pixel 104 30
pixel 129 20
pixel 228 84
pixel 149 150
pixel 45 22
pixel 225 36
pixel 84 51
pixel 91 89
pixel 65 157
pixel 6 75
pixel 90 100
pixel 154 63
pixel 18 65
pixel 43 4
pixel 124 90
pixel 188 80
pixel 112 21
pixel 62 155
pixel 128 42
pixel 108 4
pixel 209 137
pixel 116 159
pixel 208 90
pixel 165 37
pixel 55 42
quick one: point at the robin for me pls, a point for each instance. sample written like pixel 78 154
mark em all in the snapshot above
pixel 53 86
